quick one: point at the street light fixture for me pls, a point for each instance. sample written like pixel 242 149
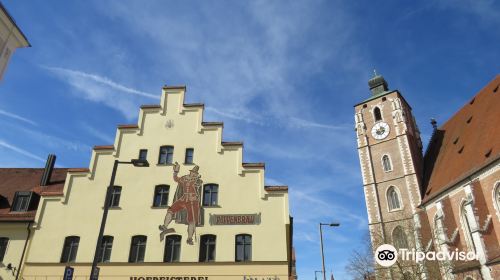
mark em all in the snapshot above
pixel 321 238
pixel 94 274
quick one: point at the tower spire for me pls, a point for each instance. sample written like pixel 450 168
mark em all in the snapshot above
pixel 377 84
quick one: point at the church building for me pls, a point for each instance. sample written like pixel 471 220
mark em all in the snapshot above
pixel 446 199
pixel 169 199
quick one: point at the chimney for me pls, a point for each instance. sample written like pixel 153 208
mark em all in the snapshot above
pixel 377 84
pixel 47 172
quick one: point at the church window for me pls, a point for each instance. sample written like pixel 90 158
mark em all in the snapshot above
pixel 386 162
pixel 393 199
pixel 377 114
pixel 399 238
pixel 466 226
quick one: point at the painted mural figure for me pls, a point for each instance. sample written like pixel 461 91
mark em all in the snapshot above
pixel 186 206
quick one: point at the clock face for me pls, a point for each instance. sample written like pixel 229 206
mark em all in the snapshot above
pixel 380 130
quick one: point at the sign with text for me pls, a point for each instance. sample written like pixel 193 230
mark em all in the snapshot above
pixel 68 273
pixel 235 219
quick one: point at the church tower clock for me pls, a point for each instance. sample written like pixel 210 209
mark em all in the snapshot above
pixel 390 154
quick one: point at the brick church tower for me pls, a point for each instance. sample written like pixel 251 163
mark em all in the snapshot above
pixel 390 154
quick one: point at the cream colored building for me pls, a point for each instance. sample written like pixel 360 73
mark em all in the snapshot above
pixel 236 207
pixel 11 38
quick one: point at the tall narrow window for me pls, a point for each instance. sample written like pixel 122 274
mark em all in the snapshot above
pixel 207 248
pixel 70 249
pixel 243 247
pixel 4 241
pixel 189 155
pixel 496 198
pixel 387 163
pixel 143 154
pixel 137 249
pixel 377 114
pixel 21 201
pixel 161 196
pixel 104 254
pixel 393 199
pixel 469 242
pixel 166 155
pixel 399 238
pixel 172 248
pixel 114 200
pixel 210 193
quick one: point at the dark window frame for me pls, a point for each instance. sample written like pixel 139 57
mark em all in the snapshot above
pixel 158 192
pixel 104 254
pixel 115 196
pixel 15 202
pixel 143 154
pixel 4 243
pixel 189 156
pixel 377 114
pixel 208 246
pixel 172 248
pixel 70 249
pixel 137 249
pixel 168 152
pixel 246 247
pixel 210 195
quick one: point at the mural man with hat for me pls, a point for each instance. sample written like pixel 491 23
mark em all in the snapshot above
pixel 186 206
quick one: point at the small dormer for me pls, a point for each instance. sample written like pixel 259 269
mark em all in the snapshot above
pixel 24 201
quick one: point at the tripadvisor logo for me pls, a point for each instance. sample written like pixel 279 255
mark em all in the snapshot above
pixel 386 255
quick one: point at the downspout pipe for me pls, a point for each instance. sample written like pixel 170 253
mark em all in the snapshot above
pixel 24 250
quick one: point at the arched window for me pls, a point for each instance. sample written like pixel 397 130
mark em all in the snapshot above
pixel 377 114
pixel 464 216
pixel 393 199
pixel 496 198
pixel 70 249
pixel 207 248
pixel 386 162
pixel 243 247
pixel 137 249
pixel 104 254
pixel 399 238
pixel 161 196
pixel 172 248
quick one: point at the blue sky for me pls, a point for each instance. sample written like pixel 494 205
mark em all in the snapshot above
pixel 282 75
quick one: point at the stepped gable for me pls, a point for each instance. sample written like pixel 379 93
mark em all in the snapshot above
pixel 467 142
pixel 13 180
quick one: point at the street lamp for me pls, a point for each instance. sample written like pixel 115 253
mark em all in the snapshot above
pixel 321 238
pixel 94 274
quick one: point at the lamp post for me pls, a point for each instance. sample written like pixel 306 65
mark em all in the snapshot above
pixel 136 163
pixel 316 275
pixel 321 239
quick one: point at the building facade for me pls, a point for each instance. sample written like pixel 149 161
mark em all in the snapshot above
pixel 443 200
pixel 192 209
pixel 11 38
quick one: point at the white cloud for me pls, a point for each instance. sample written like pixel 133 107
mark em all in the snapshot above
pixel 20 151
pixel 17 117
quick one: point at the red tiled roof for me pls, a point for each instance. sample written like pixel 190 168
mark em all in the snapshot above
pixel 276 188
pixel 13 180
pixel 467 142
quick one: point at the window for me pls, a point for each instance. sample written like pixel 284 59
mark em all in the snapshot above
pixel 393 199
pixel 70 249
pixel 166 155
pixel 189 155
pixel 377 114
pixel 21 201
pixel 399 238
pixel 207 248
pixel 210 194
pixel 104 253
pixel 137 249
pixel 116 192
pixel 243 247
pixel 143 154
pixel 466 228
pixel 386 161
pixel 4 241
pixel 161 196
pixel 172 248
